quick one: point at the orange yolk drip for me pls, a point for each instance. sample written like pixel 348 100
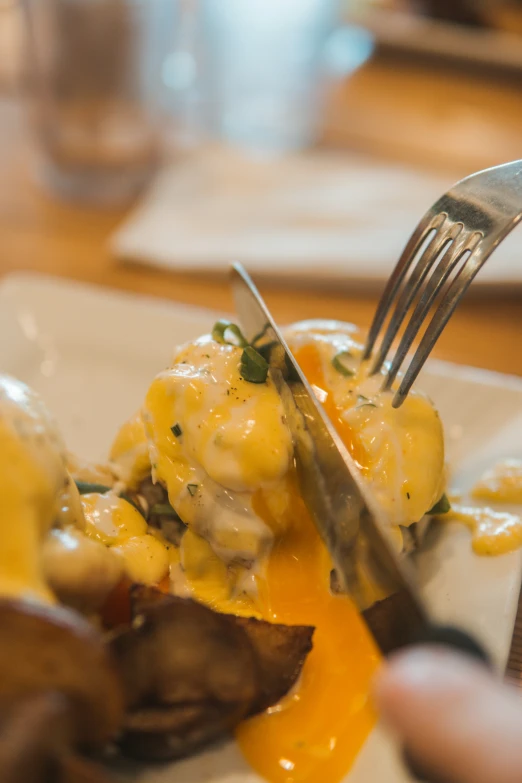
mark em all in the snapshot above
pixel 316 732
pixel 309 360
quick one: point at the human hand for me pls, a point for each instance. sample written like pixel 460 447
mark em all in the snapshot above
pixel 453 715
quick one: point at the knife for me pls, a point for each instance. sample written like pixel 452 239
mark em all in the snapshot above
pixel 349 519
pixel 345 512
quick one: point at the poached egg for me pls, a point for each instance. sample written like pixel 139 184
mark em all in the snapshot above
pixel 221 447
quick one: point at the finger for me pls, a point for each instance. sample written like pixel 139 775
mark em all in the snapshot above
pixel 453 715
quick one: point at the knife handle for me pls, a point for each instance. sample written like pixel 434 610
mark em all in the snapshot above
pixel 461 642
pixel 457 639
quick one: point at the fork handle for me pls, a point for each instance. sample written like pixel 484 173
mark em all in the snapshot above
pixel 456 638
pixel 462 642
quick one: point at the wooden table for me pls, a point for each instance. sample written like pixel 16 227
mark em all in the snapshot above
pixel 428 115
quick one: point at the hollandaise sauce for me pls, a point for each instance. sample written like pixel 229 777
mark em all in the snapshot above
pixel 32 476
pixel 492 532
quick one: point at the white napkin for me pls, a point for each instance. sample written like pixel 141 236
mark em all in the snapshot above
pixel 317 218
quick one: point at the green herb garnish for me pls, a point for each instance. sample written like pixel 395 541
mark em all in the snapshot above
pixel 220 330
pixel 192 489
pixel 163 510
pixel 442 506
pixel 339 365
pixel 86 487
pixel 176 430
pixel 364 402
pixel 253 368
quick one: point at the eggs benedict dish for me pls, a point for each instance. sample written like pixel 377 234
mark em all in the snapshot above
pixel 210 457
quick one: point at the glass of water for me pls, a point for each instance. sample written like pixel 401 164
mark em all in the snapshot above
pixel 95 92
pixel 265 69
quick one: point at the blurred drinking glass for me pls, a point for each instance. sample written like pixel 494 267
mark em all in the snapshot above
pixel 266 69
pixel 94 69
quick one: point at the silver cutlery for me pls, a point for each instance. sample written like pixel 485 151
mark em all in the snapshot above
pixel 448 248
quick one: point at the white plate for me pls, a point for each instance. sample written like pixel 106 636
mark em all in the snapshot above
pixel 91 353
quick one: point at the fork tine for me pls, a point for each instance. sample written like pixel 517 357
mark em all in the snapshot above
pixel 413 285
pixel 440 274
pixel 413 245
pixel 453 295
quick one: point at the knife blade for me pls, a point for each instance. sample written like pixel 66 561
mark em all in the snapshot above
pixel 347 516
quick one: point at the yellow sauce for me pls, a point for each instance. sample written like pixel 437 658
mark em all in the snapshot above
pixel 32 476
pixel 492 532
pixel 114 522
pixel 501 484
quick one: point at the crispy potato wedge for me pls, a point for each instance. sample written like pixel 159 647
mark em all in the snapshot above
pixel 191 674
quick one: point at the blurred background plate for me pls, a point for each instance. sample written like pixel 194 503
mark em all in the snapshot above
pixel 318 219
pixel 412 33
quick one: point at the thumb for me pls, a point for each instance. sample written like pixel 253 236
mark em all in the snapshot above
pixel 452 715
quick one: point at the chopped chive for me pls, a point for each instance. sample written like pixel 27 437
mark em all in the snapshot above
pixel 220 329
pixel 442 506
pixel 163 510
pixel 253 368
pixel 176 430
pixel 260 334
pixel 363 402
pixel 338 364
pixel 86 487
pixel 192 489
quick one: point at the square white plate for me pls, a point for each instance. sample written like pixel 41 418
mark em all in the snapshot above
pixel 91 353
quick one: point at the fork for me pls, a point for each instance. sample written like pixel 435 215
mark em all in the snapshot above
pixel 451 243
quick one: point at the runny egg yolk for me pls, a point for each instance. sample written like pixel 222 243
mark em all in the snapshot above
pixel 315 733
